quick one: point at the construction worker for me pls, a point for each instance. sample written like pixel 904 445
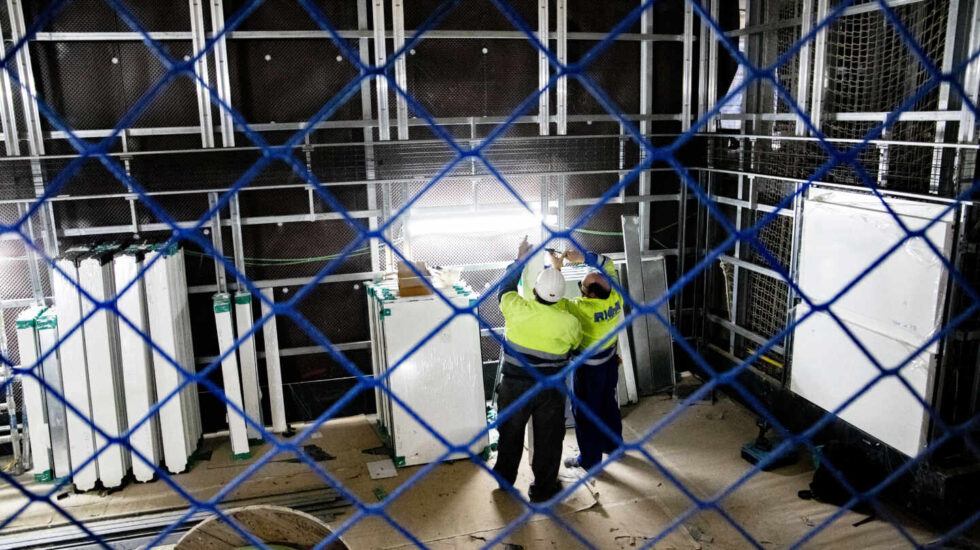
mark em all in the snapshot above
pixel 600 311
pixel 545 335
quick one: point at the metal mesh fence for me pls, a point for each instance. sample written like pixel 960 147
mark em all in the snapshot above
pixel 903 43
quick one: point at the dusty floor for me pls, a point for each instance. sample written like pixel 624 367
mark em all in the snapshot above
pixel 456 506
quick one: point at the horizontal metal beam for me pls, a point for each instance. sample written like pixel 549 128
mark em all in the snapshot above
pixel 796 21
pixel 348 34
pixel 927 116
pixel 293 281
pixel 752 267
pixel 744 333
pixel 299 350
pixel 788 212
pixel 887 192
pixel 347 124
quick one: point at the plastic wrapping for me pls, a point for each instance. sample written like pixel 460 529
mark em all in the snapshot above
pixel 892 311
pixel 251 394
pixel 74 370
pixel 37 418
pixel 48 340
pixel 229 374
pixel 138 365
pixel 104 365
pixel 442 382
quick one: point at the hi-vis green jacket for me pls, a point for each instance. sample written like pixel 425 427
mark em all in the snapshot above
pixel 545 335
pixel 598 317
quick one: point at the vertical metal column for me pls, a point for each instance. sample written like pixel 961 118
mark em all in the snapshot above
pixel 35 275
pixel 216 241
pixel 712 69
pixel 686 84
pixel 971 80
pixel 401 78
pixel 704 34
pixel 8 116
pixel 381 84
pixel 22 59
pixel 803 76
pixel 646 108
pixel 544 70
pixel 201 68
pixel 949 52
pixel 363 47
pixel 819 66
pixel 561 7
pixel 221 72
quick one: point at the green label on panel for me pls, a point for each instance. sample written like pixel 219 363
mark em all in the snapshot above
pixel 243 298
pixel 47 322
pixel 221 302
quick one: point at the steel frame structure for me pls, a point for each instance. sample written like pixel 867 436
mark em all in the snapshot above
pixel 551 118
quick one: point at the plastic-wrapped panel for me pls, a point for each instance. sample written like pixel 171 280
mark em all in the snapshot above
pixel 138 366
pixel 892 311
pixel 175 427
pixel 37 418
pixel 229 374
pixel 74 370
pixel 251 393
pixel 105 369
pixel 442 381
pixel 47 338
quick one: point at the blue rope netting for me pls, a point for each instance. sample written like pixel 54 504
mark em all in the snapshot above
pixel 177 69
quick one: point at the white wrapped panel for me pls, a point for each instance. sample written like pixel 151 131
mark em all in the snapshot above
pixel 105 371
pixel 229 374
pixel 442 382
pixel 174 424
pixel 892 311
pixel 182 317
pixel 37 417
pixel 74 371
pixel 828 368
pixel 270 339
pixel 47 338
pixel 251 394
pixel 845 232
pixel 137 367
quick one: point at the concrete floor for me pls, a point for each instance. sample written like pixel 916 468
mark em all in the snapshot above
pixel 456 506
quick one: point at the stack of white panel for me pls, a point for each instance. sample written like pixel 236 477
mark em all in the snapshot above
pixel 229 374
pixel 270 339
pixel 74 369
pixel 48 341
pixel 138 362
pixel 104 364
pixel 169 319
pixel 34 408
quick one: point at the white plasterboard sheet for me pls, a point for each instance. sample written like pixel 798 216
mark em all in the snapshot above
pixel 251 393
pixel 33 399
pixel 230 382
pixel 382 469
pixel 844 233
pixel 102 357
pixel 828 368
pixel 442 381
pixel 74 372
pixel 174 428
pixel 137 367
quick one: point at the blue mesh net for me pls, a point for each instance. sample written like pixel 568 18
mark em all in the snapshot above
pixel 475 151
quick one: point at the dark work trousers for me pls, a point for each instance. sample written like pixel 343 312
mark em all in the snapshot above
pixel 547 409
pixel 595 386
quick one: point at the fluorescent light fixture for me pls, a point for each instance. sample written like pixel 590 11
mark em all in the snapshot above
pixel 477 222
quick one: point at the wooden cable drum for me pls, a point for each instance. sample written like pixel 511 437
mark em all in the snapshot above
pixel 278 527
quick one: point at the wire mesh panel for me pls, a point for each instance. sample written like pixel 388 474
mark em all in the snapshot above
pixel 881 59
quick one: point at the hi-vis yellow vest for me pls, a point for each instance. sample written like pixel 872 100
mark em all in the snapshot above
pixel 598 317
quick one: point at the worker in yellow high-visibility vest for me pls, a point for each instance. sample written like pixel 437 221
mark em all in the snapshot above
pixel 600 311
pixel 541 334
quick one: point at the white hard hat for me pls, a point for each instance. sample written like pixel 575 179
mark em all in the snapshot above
pixel 550 285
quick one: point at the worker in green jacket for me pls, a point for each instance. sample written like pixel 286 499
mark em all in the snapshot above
pixel 540 333
pixel 600 311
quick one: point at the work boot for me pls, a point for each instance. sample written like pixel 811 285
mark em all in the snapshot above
pixel 536 494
